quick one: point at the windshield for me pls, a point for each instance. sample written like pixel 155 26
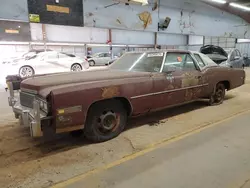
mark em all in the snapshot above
pixel 139 62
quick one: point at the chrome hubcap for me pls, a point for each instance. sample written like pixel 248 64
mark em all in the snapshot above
pixel 218 95
pixel 76 68
pixel 26 72
pixel 107 122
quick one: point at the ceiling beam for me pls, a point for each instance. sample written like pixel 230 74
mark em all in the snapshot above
pixel 227 8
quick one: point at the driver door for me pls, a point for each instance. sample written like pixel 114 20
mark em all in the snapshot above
pixel 180 80
pixel 48 63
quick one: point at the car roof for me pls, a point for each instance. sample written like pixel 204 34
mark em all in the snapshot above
pixel 163 50
pixel 46 52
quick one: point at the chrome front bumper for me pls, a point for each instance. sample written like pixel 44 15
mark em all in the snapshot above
pixel 30 117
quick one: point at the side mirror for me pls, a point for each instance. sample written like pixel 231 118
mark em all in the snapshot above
pixel 236 57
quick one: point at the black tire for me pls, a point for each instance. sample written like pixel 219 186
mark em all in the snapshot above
pixel 243 66
pixel 32 72
pixel 91 63
pixel 76 133
pixel 98 114
pixel 218 95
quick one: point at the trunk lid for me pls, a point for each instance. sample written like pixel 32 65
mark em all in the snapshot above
pixel 216 53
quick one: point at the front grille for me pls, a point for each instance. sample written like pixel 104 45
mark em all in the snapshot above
pixel 26 99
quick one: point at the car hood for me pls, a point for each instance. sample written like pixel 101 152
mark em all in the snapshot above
pixel 216 53
pixel 43 84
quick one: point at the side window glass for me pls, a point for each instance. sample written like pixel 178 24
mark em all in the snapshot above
pixel 63 55
pixel 189 64
pixel 101 55
pixel 151 62
pixel 238 53
pixel 178 61
pixel 232 56
pixel 52 56
pixel 199 60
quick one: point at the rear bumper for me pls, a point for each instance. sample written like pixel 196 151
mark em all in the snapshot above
pixel 30 117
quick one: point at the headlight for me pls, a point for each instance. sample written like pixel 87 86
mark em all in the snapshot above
pixel 43 105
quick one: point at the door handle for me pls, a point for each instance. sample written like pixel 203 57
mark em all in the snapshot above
pixel 198 77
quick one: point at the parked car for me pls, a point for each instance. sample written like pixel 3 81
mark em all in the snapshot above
pixel 101 58
pixel 100 102
pixel 229 58
pixel 112 61
pixel 246 60
pixel 48 62
pixel 26 55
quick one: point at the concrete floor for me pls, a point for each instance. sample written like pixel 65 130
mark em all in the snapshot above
pixel 216 157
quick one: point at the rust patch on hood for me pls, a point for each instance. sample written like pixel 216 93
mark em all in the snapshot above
pixel 110 92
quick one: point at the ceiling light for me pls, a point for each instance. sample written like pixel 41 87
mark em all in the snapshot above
pixel 240 6
pixel 219 1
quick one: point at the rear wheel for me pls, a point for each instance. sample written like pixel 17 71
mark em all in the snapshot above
pixel 26 71
pixel 105 120
pixel 76 67
pixel 218 95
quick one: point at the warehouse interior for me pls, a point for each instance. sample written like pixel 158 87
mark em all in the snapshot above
pixel 191 25
pixel 201 144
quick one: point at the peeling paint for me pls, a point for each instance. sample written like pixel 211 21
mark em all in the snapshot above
pixel 146 18
pixel 188 95
pixel 185 21
pixel 118 21
pixel 189 80
pixel 89 14
pixel 155 7
pixel 110 92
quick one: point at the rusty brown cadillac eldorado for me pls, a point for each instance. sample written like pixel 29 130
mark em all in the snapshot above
pixel 100 102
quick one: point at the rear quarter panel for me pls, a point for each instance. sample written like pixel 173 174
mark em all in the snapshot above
pixel 214 75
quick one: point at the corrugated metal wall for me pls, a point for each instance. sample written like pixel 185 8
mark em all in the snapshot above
pixel 227 43
pixel 244 48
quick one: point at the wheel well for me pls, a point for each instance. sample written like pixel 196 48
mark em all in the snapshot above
pixel 226 84
pixel 76 64
pixel 125 102
pixel 127 105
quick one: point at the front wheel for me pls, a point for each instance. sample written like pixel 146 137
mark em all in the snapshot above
pixel 105 120
pixel 218 95
pixel 26 71
pixel 91 63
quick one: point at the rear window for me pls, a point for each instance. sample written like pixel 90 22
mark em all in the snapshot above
pixel 199 60
pixel 207 60
pixel 70 55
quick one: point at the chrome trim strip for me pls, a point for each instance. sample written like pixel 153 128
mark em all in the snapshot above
pixel 30 91
pixel 163 62
pixel 168 91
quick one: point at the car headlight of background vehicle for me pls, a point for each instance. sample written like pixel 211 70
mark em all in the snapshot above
pixel 43 105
